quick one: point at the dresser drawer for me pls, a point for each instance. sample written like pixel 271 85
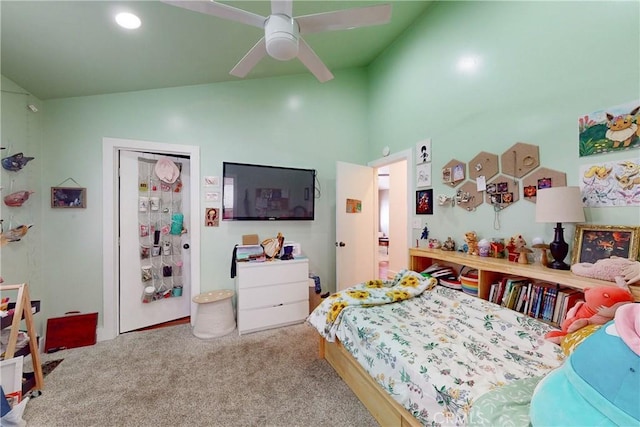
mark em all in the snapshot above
pixel 269 296
pixel 265 318
pixel 269 273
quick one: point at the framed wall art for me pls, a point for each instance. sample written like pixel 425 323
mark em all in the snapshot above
pixel 595 242
pixel 424 202
pixel 423 151
pixel 68 197
pixel 423 175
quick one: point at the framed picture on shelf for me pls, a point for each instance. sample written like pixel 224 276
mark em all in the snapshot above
pixel 424 202
pixel 68 197
pixel 594 242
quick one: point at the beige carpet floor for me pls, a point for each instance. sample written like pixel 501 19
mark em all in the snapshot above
pixel 168 377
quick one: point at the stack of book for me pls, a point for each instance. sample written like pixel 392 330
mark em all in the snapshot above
pixel 540 300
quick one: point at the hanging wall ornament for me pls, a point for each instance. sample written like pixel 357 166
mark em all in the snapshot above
pixel 18 198
pixel 16 162
pixel 15 234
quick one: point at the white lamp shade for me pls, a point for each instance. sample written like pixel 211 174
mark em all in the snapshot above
pixel 559 204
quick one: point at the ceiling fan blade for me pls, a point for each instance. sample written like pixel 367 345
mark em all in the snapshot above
pixel 246 64
pixel 282 7
pixel 308 57
pixel 221 11
pixel 344 19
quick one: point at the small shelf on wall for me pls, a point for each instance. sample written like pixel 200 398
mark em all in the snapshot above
pixel 542 178
pixel 454 172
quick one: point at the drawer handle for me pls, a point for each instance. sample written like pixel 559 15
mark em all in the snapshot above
pixel 278 305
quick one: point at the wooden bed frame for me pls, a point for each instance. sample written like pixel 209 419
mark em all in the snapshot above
pixel 378 402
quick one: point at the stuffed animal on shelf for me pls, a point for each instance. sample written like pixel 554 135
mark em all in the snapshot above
pixel 611 269
pixel 471 238
pixel 599 306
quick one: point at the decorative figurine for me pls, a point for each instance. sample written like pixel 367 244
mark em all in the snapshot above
pixel 471 239
pixel 16 162
pixel 449 245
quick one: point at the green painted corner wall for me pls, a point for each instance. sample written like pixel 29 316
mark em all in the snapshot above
pixel 541 66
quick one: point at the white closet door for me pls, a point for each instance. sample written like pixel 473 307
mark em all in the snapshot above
pixel 141 253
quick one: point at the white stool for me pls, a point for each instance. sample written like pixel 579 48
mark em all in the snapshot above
pixel 214 317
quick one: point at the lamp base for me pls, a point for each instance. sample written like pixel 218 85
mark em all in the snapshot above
pixel 559 250
pixel 559 265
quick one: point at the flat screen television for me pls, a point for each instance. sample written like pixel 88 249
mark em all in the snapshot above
pixel 267 193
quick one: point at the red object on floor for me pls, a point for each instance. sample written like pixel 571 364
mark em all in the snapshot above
pixel 70 331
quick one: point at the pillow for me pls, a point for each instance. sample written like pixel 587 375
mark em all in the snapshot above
pixel 571 341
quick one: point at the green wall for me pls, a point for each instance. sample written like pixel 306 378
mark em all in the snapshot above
pixel 541 66
pixel 292 121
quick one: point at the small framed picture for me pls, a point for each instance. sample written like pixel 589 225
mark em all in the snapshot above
pixel 596 242
pixel 212 181
pixel 502 187
pixel 424 202
pixel 212 196
pixel 423 151
pixel 211 217
pixel 496 199
pixel 544 183
pixel 491 188
pixel 423 175
pixel 507 197
pixel 458 172
pixel 446 175
pixel 68 197
pixel 530 191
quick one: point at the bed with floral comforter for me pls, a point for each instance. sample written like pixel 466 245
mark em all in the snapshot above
pixel 438 351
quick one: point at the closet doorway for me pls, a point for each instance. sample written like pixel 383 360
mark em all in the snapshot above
pixel 111 150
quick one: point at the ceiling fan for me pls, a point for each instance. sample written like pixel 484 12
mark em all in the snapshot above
pixel 282 33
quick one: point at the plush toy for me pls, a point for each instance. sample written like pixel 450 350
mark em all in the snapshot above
pixel 598 384
pixel 598 307
pixel 471 238
pixel 611 269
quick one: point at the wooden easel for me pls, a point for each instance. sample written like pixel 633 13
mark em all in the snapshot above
pixel 23 308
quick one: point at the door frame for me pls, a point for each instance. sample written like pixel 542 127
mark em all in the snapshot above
pixel 393 158
pixel 111 148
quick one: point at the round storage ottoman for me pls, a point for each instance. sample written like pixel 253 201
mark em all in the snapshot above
pixel 214 316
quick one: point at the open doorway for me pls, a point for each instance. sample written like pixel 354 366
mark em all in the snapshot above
pixel 393 178
pixel 383 222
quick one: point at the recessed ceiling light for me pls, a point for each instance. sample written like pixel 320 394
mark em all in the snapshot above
pixel 468 63
pixel 128 20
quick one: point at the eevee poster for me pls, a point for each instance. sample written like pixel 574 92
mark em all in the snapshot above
pixel 610 130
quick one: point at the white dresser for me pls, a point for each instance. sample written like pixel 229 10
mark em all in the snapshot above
pixel 272 294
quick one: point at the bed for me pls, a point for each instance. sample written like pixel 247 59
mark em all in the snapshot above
pixel 424 359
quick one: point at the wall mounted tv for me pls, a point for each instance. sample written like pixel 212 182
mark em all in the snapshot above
pixel 267 193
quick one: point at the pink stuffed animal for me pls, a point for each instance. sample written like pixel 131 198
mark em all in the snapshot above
pixel 598 308
pixel 612 269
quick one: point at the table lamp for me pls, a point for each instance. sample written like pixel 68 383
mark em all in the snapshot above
pixel 559 204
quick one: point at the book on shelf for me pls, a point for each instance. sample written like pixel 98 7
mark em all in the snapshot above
pixel 511 283
pixel 543 300
pixel 570 298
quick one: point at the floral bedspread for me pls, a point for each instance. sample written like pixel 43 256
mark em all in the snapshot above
pixel 406 284
pixel 438 352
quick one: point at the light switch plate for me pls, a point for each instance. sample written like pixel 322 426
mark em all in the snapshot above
pixel 417 223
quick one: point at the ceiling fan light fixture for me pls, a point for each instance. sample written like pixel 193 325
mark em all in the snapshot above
pixel 281 36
